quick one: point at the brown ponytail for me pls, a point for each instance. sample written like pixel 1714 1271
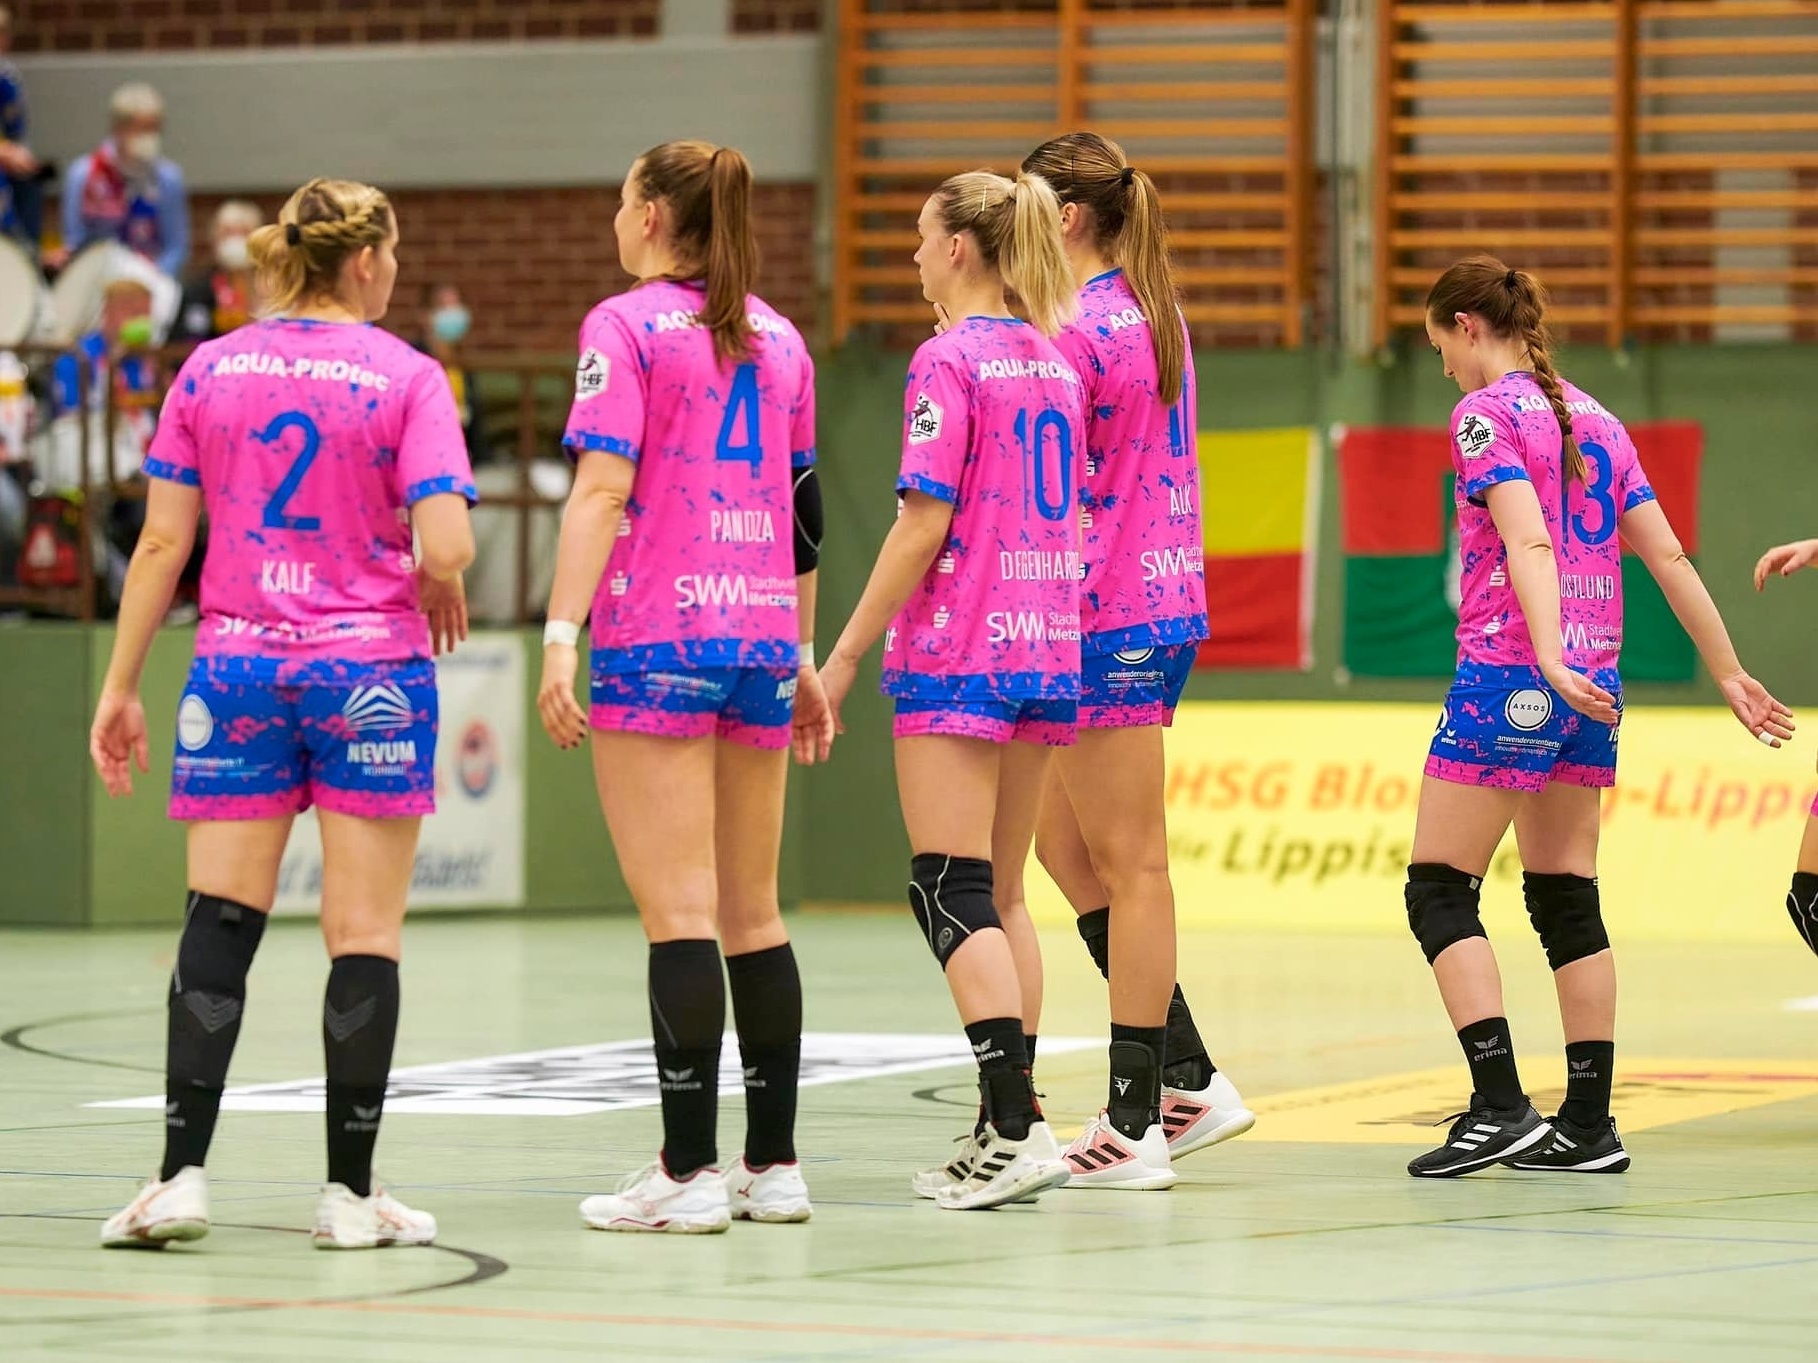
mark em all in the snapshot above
pixel 1512 303
pixel 708 190
pixel 1128 226
pixel 1016 224
pixel 299 257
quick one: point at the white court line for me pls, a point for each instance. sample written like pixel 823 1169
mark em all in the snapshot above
pixel 570 1081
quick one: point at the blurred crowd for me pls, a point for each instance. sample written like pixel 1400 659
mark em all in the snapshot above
pixel 101 295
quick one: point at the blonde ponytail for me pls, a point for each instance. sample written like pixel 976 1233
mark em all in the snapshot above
pixel 322 226
pixel 1017 227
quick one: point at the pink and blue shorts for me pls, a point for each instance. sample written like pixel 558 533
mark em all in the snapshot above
pixel 752 706
pixel 258 738
pixel 1134 688
pixel 1505 727
pixel 1049 723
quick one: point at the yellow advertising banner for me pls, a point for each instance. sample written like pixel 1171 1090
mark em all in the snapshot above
pixel 1300 816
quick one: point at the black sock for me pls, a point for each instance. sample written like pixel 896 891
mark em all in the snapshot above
pixel 767 1010
pixel 1491 1055
pixel 1029 1049
pixel 1590 1068
pixel 1185 1064
pixel 1134 1104
pixel 359 1029
pixel 687 1019
pixel 1802 906
pixel 1003 1075
pixel 207 998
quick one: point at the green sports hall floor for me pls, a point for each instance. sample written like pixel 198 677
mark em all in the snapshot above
pixel 1303 1240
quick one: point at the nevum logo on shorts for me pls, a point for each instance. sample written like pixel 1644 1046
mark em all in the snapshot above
pixel 381 709
pixel 1529 709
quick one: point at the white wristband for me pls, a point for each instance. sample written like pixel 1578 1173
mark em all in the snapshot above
pixel 807 655
pixel 563 632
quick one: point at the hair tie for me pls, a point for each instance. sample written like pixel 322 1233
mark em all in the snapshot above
pixel 1127 176
pixel 293 234
pixel 1511 279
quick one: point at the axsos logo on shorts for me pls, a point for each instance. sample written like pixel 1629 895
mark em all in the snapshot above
pixel 1528 709
pixel 1134 657
pixel 195 724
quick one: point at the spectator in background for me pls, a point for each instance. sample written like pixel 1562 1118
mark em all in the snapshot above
pixel 220 298
pixel 446 322
pixel 21 178
pixel 126 190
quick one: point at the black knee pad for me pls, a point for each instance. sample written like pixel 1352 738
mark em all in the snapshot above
pixel 1802 906
pixel 951 897
pixel 1567 914
pixel 1442 907
pixel 208 986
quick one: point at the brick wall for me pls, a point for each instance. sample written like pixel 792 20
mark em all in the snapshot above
pixel 776 16
pixel 132 25
pixel 531 262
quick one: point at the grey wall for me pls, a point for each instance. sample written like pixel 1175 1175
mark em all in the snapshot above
pixel 450 115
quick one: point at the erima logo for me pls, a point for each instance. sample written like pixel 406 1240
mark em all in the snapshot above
pixel 366 1114
pixel 383 707
pixel 1487 1045
pixel 1580 1066
pixel 679 1076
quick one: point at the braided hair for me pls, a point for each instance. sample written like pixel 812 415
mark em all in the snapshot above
pixel 299 257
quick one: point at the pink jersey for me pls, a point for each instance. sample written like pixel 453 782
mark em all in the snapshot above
pixel 1145 557
pixel 1508 431
pixel 310 442
pixel 703 574
pixel 994 426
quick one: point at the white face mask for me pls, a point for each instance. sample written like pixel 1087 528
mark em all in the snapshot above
pixel 143 147
pixel 231 253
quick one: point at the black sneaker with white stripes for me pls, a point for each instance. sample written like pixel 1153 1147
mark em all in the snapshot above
pixel 1481 1137
pixel 1577 1149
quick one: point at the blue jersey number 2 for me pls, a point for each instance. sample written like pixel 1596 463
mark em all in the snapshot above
pixel 741 419
pixel 275 517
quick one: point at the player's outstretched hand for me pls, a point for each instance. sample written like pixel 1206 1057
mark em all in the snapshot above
pixel 563 718
pixel 1757 711
pixel 1583 694
pixel 811 730
pixel 837 677
pixel 117 741
pixel 445 604
pixel 1783 560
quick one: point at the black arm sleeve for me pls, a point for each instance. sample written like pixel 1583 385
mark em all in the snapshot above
pixel 808 520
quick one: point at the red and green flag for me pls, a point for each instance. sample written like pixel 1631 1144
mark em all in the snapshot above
pixel 1399 537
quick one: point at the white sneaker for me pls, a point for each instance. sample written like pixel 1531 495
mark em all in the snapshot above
pixel 345 1220
pixel 777 1193
pixel 929 1182
pixel 1007 1171
pixel 1196 1118
pixel 164 1210
pixel 1103 1157
pixel 651 1200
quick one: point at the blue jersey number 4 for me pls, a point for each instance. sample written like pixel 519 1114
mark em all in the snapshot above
pixel 276 518
pixel 741 419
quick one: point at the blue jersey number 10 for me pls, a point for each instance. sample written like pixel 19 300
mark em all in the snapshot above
pixel 276 518
pixel 1030 437
pixel 741 420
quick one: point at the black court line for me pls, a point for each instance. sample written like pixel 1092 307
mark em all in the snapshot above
pixel 482 1268
pixel 935 1094
pixel 15 1038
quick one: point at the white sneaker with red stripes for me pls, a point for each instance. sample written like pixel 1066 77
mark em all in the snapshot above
pixel 650 1200
pixel 1196 1118
pixel 165 1209
pixel 1103 1157
pixel 345 1220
